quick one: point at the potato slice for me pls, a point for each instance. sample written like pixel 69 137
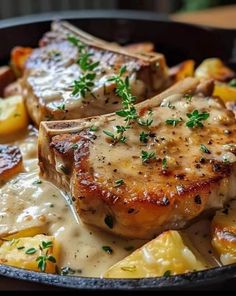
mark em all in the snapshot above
pixel 224 233
pixel 214 68
pixel 226 92
pixel 166 254
pixel 13 115
pixel 26 253
pixel 27 232
pixel 182 70
pixel 10 162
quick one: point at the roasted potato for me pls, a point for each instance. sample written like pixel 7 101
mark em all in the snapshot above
pixel 38 253
pixel 165 255
pixel 226 92
pixel 13 115
pixel 19 56
pixel 27 232
pixel 182 70
pixel 10 162
pixel 224 233
pixel 214 68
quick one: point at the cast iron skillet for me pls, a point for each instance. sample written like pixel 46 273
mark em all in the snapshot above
pixel 178 42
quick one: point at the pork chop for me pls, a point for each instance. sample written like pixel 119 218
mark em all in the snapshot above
pixel 53 68
pixel 138 189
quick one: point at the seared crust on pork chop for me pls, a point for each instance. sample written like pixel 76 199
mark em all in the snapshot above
pixel 52 68
pixel 193 169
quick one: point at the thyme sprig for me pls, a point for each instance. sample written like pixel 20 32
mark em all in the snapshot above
pixel 128 112
pixel 84 84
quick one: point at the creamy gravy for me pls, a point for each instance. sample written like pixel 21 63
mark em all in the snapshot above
pixel 25 202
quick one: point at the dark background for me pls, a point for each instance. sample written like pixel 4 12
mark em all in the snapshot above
pixel 11 8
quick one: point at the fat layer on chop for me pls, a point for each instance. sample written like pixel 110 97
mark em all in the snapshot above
pixel 193 170
pixel 52 68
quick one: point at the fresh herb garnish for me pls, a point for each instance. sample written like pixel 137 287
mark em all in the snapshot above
pixel 173 121
pixel 93 128
pixel 45 257
pixel 143 137
pixel 170 106
pixel 196 118
pixel 164 163
pixel 146 156
pixel 75 146
pixel 37 182
pixel 61 107
pixel 30 251
pixel 167 273
pixel 232 82
pixel 67 270
pixel 128 112
pixel 204 149
pixel 119 182
pixel 107 249
pixel 109 221
pixel 84 84
pixel 20 248
pixel 188 97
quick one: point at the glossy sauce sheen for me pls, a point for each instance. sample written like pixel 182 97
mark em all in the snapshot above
pixel 25 204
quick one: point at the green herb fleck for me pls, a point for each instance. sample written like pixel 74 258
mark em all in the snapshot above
pixel 119 182
pixel 30 251
pixel 167 273
pixel 164 163
pixel 109 221
pixel 196 118
pixel 67 270
pixel 143 137
pixel 173 121
pixel 204 149
pixel 232 82
pixel 20 248
pixel 37 182
pixel 107 249
pixel 93 128
pixel 188 97
pixel 61 107
pixel 146 156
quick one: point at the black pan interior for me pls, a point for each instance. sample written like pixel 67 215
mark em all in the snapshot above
pixel 178 42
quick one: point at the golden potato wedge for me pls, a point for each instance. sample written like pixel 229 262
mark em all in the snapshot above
pixel 27 232
pixel 13 115
pixel 224 233
pixel 19 56
pixel 182 70
pixel 214 68
pixel 38 253
pixel 10 162
pixel 226 92
pixel 167 254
